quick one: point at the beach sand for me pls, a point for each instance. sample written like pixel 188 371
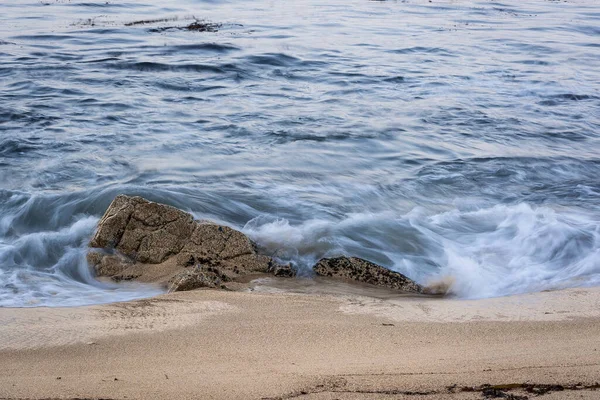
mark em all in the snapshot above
pixel 210 344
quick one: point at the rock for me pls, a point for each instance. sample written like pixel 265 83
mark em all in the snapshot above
pixel 154 242
pixel 107 264
pixel 197 277
pixel 286 271
pixel 145 231
pixel 357 269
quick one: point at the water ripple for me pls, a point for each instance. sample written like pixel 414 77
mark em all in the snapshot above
pixel 435 138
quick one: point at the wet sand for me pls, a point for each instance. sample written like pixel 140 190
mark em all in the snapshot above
pixel 326 344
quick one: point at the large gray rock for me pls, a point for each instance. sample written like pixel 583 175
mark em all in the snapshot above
pixel 136 235
pixel 357 269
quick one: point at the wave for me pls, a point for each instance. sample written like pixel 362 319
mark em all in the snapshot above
pixel 43 246
pixel 477 253
pixel 50 269
pixel 472 250
pixel 288 116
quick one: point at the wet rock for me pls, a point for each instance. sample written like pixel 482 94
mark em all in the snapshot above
pixel 108 264
pixel 197 277
pixel 145 231
pixel 286 271
pixel 154 242
pixel 357 269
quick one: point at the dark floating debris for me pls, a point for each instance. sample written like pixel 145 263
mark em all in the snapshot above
pixel 203 27
pixel 196 26
pixel 151 21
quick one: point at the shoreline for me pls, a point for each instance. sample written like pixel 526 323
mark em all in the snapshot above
pixel 246 345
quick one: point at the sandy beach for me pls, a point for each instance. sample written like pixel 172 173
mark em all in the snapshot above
pixel 270 344
pixel 314 200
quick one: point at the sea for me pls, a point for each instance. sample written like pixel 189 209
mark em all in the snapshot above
pixel 452 141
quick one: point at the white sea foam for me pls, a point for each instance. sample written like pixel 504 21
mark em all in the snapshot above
pixel 48 268
pixel 471 251
pixel 477 253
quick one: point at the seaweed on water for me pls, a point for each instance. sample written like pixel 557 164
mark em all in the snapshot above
pixel 203 27
pixel 151 21
pixel 197 26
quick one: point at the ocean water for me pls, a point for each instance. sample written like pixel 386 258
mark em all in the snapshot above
pixel 448 140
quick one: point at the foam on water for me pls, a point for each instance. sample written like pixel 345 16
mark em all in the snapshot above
pixel 459 147
pixel 49 268
pixel 478 253
pixel 476 250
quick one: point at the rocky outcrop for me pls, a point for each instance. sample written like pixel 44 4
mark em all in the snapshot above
pixel 357 269
pixel 140 239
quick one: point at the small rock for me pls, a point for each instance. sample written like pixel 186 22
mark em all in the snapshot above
pixel 286 271
pixel 357 269
pixel 194 279
pixel 107 264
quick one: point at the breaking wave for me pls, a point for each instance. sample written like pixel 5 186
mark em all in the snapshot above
pixel 496 251
pixel 46 265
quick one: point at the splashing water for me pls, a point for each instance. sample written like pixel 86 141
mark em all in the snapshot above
pixel 474 253
pixel 455 142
